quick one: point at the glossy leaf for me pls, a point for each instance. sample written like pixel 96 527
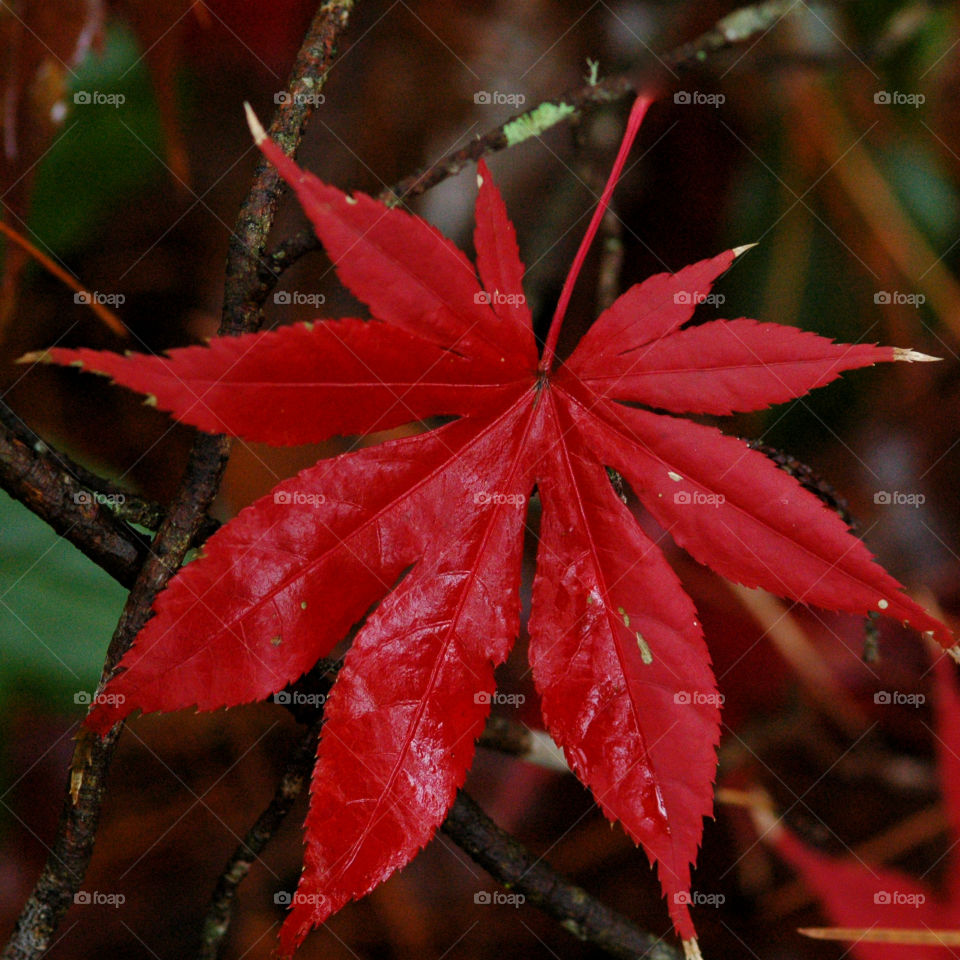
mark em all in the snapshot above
pixel 620 665
pixel 728 366
pixel 301 384
pixel 427 533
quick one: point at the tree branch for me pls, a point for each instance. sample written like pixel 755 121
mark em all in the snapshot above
pixel 91 512
pixel 736 28
pixel 500 854
pixel 295 775
pixel 73 845
pixel 49 484
pixel 518 869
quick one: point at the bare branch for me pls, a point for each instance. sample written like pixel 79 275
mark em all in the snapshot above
pixel 518 869
pixel 73 845
pixel 738 27
pixel 54 488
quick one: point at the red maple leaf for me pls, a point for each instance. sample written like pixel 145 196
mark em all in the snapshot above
pixel 885 914
pixel 428 530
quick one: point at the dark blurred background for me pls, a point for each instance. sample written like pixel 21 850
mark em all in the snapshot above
pixel 832 140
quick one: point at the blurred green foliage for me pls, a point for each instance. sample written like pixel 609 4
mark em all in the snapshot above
pixel 57 614
pixel 68 202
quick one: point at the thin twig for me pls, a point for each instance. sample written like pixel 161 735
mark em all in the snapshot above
pixel 88 510
pixel 500 854
pixel 518 869
pixel 518 740
pixel 295 776
pixel 73 844
pixel 736 28
pixel 48 484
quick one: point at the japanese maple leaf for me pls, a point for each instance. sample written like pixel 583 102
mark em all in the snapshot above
pixel 884 913
pixel 427 531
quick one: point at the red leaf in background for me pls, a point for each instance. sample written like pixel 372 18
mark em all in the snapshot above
pixel 864 897
pixel 429 529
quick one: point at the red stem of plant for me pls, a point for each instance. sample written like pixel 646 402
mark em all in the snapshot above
pixel 637 113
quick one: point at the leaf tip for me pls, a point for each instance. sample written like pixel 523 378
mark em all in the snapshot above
pixel 736 251
pixel 256 127
pixel 483 172
pixel 912 356
pixel 765 820
pixel 691 949
pixel 35 356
